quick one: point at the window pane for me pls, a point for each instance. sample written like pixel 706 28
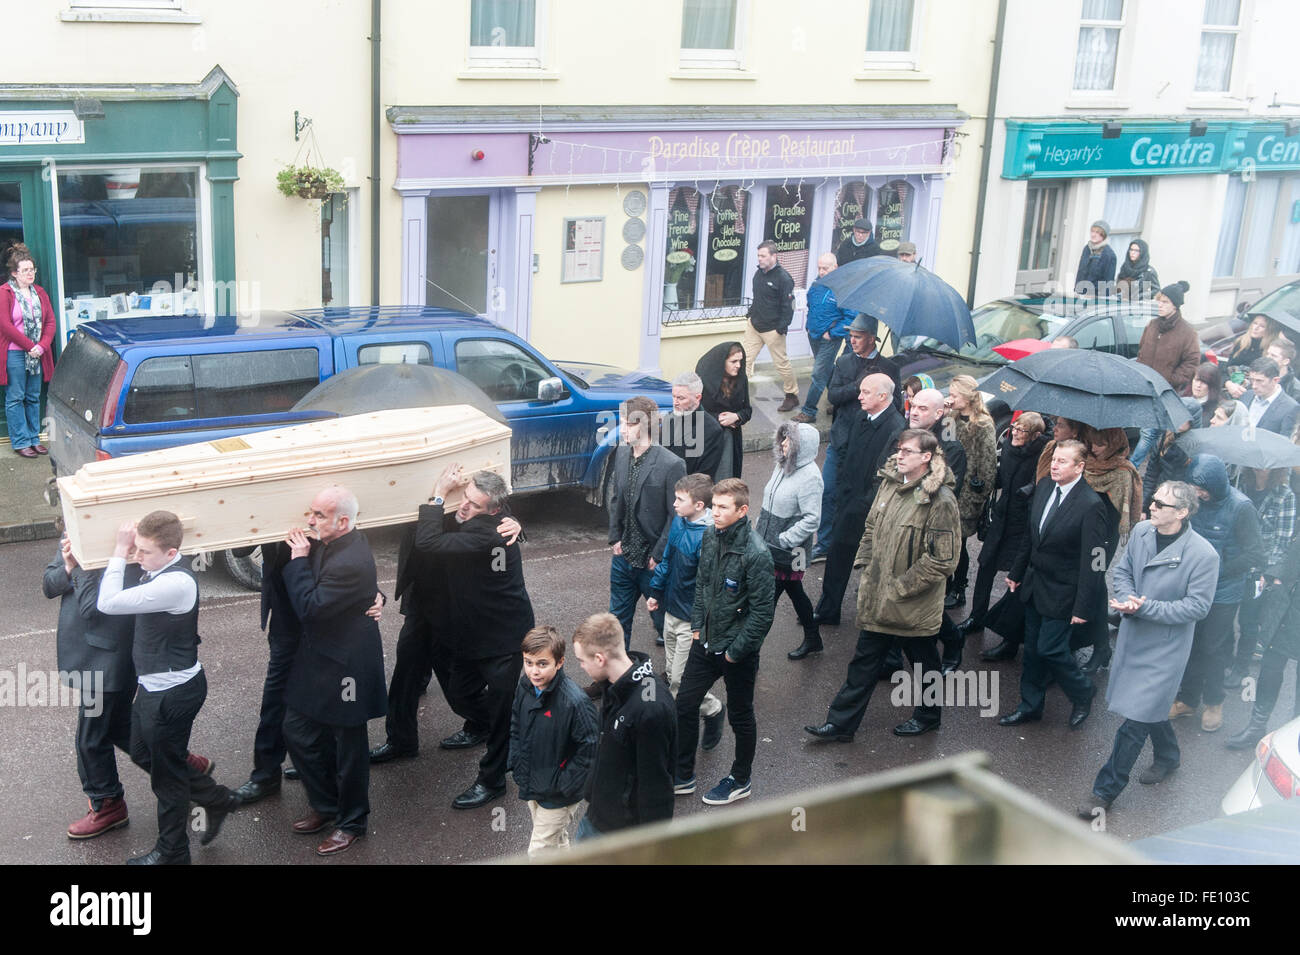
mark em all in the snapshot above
pixel 683 248
pixel 889 25
pixel 709 25
pixel 502 22
pixel 893 214
pixel 727 209
pixel 162 390
pixel 1103 9
pixel 1094 61
pixel 395 353
pixel 1233 204
pixel 11 214
pixel 1214 68
pixel 1222 13
pixel 1099 335
pixel 334 249
pixel 456 272
pixel 786 222
pixel 125 230
pixel 503 370
pixel 1258 233
pixel 253 382
pixel 1290 252
pixel 1124 203
pixel 850 205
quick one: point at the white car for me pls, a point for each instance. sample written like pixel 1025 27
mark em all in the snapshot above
pixel 1274 775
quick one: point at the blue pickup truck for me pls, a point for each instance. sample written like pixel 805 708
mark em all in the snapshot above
pixel 140 384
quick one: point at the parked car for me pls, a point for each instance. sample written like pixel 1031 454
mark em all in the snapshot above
pixel 1274 774
pixel 140 384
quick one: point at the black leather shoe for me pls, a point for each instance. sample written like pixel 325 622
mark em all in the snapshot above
pixel 1156 773
pixel 155 857
pixel 1006 650
pixel 713 729
pixel 463 740
pixel 951 658
pixel 292 773
pixel 252 791
pixel 1088 808
pixel 388 752
pixel 1017 717
pixel 829 731
pixel 969 626
pixel 808 646
pixel 477 795
pixel 216 817
pixel 1079 713
pixel 954 599
pixel 914 727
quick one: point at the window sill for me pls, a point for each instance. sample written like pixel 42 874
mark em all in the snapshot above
pixel 1217 102
pixel 1096 102
pixel 505 73
pixel 708 326
pixel 117 15
pixel 712 74
pixel 891 73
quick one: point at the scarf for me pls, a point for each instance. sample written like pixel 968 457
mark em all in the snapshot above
pixel 1097 247
pixel 1165 323
pixel 31 307
pixel 1113 475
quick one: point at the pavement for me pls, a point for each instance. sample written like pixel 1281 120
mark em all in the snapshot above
pixel 25 515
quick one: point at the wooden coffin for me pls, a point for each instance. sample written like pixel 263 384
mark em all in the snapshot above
pixel 252 489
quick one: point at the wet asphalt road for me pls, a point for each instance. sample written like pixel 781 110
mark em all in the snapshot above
pixel 567 573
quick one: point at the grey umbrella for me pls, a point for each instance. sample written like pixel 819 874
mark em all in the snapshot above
pixel 384 386
pixel 1249 447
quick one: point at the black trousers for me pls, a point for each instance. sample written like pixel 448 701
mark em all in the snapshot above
pixel 798 598
pixel 1248 621
pixel 1203 677
pixel 335 765
pixel 422 650
pixel 850 704
pixel 1047 650
pixel 97 738
pixel 979 601
pixel 959 577
pixel 268 744
pixel 1272 670
pixel 500 675
pixel 839 567
pixel 160 743
pixel 1130 739
pixel 702 671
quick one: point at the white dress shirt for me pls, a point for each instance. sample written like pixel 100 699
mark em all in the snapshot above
pixel 1260 405
pixel 1065 490
pixel 162 593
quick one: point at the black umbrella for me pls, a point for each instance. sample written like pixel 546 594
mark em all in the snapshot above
pixel 1249 447
pixel 909 299
pixel 384 386
pixel 1097 388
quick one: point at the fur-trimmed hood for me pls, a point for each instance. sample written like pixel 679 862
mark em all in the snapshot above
pixel 939 475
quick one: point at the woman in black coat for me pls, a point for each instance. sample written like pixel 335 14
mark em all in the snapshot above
pixel 726 397
pixel 1017 465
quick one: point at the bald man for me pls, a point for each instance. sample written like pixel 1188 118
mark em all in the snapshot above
pixel 870 443
pixel 828 327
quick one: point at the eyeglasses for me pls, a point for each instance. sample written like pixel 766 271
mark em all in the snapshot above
pixel 1157 505
pixel 1019 430
pixel 30 268
pixel 902 451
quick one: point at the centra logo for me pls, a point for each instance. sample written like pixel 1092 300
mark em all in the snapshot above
pixel 77 908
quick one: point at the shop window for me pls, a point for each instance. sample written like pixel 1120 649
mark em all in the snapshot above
pixel 1221 24
pixel 1098 48
pixel 726 209
pixel 11 214
pixel 893 214
pixel 786 222
pixel 711 227
pixel 1234 205
pixel 851 204
pixel 892 30
pixel 506 33
pixel 1259 226
pixel 1125 202
pixel 129 239
pixel 711 34
pixel 1260 234
pixel 185 387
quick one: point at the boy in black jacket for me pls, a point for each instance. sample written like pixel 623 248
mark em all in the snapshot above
pixel 552 740
pixel 631 781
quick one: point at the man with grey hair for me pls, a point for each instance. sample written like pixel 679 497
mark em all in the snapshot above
pixel 488 612
pixel 336 683
pixel 690 432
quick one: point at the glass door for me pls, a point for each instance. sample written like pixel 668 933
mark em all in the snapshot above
pixel 456 274
pixel 1039 237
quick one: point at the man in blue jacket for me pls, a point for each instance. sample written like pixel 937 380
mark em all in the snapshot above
pixel 827 326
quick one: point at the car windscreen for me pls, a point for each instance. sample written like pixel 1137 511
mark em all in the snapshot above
pixel 996 324
pixel 1284 299
pixel 84 374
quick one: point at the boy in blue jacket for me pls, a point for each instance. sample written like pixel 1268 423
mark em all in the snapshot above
pixel 673 588
pixel 552 740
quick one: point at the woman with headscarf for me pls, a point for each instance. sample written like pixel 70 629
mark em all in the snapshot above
pixel 726 397
pixel 1137 279
pixel 1109 472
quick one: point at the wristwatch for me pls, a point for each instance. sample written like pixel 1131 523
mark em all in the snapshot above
pixel 436 500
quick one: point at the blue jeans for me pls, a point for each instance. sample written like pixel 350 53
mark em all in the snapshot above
pixel 824 355
pixel 627 585
pixel 22 402
pixel 1130 739
pixel 828 500
pixel 1150 437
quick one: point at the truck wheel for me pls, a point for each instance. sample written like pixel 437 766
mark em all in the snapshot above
pixel 246 570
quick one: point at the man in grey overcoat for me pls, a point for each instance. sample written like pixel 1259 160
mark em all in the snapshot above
pixel 1165 582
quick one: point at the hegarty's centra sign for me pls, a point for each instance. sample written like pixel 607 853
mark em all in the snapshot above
pixel 40 128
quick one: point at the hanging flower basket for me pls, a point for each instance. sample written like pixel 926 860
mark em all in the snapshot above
pixel 308 182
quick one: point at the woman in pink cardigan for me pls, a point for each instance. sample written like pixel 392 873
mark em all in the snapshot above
pixel 27 323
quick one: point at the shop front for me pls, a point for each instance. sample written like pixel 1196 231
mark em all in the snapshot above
pixel 1218 201
pixel 629 235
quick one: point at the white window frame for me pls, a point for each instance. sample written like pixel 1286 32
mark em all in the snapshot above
pixel 909 59
pixel 1085 24
pixel 120 11
pixel 726 59
pixel 1233 71
pixel 511 57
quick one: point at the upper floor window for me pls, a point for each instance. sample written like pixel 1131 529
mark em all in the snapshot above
pixel 146 11
pixel 1221 24
pixel 712 32
pixel 892 34
pixel 506 33
pixel 1098 49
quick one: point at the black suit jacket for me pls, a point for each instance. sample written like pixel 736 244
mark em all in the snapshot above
pixel 277 610
pixel 1280 418
pixel 337 676
pixel 870 445
pixel 488 607
pixel 845 383
pixel 422 578
pixel 697 439
pixel 1063 568
pixel 653 492
pixel 88 639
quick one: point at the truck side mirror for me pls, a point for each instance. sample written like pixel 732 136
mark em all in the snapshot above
pixel 551 389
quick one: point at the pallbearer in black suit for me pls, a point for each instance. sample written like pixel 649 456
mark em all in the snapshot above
pixel 1060 567
pixel 336 683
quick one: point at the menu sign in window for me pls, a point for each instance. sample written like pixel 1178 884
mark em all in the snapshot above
pixel 891 214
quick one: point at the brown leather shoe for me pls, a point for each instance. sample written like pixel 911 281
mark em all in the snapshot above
pixel 40 449
pixel 339 841
pixel 110 815
pixel 26 453
pixel 312 822
pixel 802 418
pixel 791 402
